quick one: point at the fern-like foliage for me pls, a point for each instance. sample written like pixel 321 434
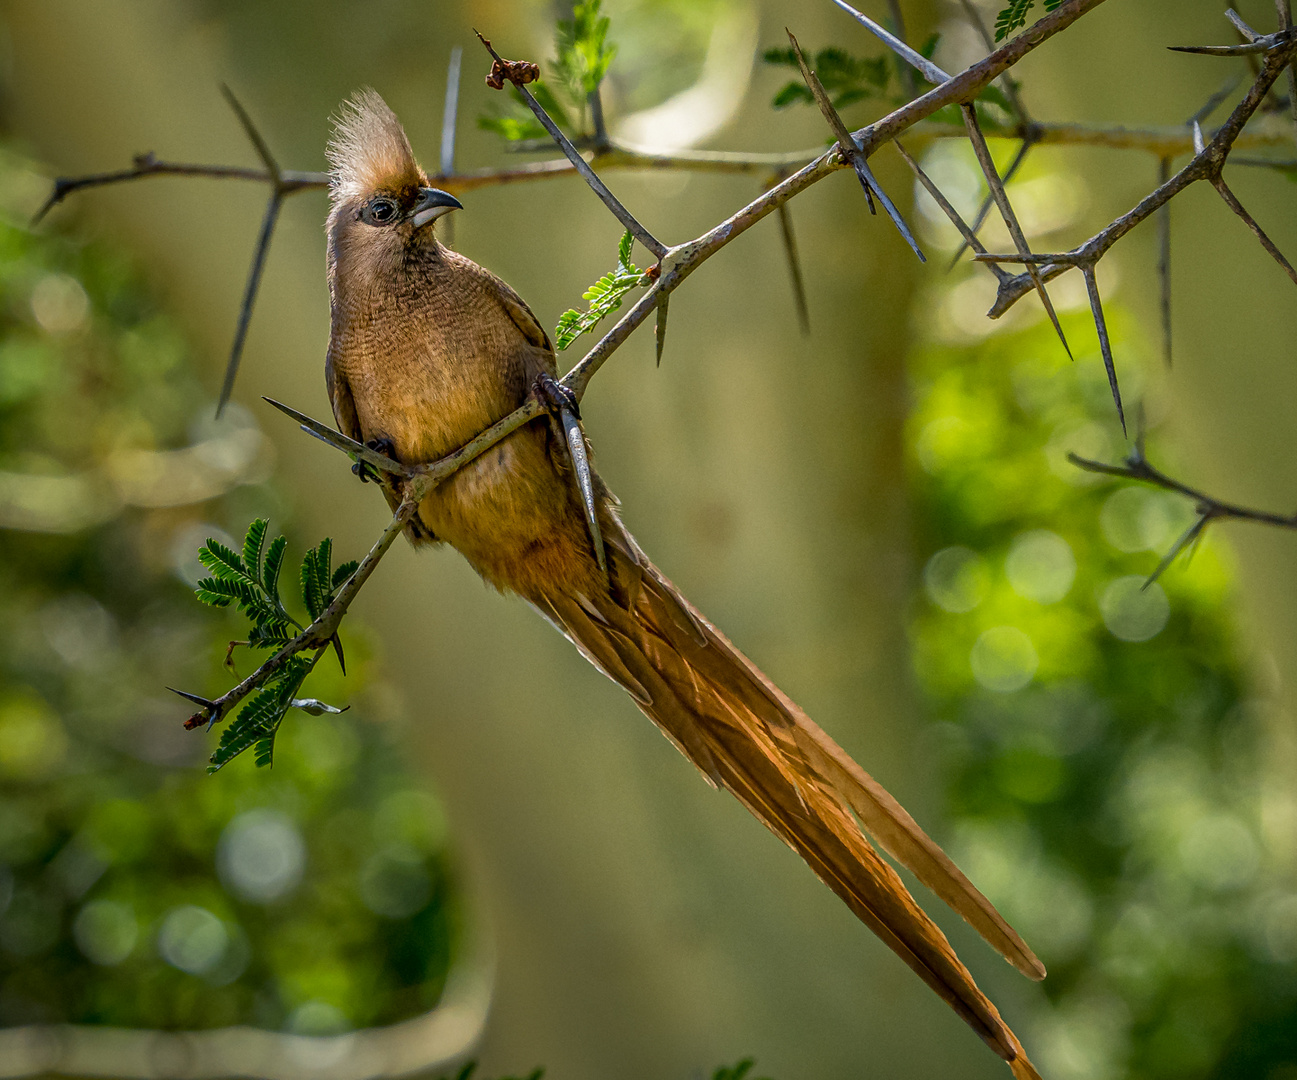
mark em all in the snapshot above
pixel 737 1071
pixel 515 122
pixel 1013 16
pixel 584 51
pixel 250 581
pixel 604 297
pixel 846 78
pixel 583 54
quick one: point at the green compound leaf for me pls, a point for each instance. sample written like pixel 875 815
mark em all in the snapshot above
pixel 317 588
pixel 847 78
pixel 251 582
pixel 513 127
pixel 253 542
pixel 343 572
pixel 583 56
pixel 604 297
pixel 584 52
pixel 1013 16
pixel 258 721
pixel 224 563
pixel 271 567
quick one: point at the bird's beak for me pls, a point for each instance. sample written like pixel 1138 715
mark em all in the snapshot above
pixel 433 202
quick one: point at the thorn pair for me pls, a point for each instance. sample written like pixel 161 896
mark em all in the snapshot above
pixel 562 403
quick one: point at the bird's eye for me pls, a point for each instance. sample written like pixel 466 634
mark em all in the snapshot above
pixel 379 212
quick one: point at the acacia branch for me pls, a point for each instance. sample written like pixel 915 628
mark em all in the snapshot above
pixel 676 264
pixel 1207 508
pixel 1206 164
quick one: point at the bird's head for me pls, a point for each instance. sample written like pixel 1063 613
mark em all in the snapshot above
pixel 382 203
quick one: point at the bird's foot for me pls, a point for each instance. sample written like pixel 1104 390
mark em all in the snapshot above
pixel 554 395
pixel 367 472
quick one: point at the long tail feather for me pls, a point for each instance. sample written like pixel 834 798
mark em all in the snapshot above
pixel 745 735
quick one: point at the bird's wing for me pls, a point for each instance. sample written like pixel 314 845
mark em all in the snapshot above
pixel 344 406
pixel 522 315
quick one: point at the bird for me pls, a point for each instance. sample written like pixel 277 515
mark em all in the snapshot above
pixel 426 350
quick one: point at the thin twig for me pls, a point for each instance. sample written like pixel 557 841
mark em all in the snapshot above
pixel 794 268
pixel 898 23
pixel 916 60
pixel 970 237
pixel 268 222
pixel 1207 507
pixel 250 289
pixel 1018 159
pixel 1007 83
pixel 1105 346
pixel 675 265
pixel 578 162
pixel 1214 102
pixel 1231 200
pixel 450 111
pixel 660 329
pixel 1164 261
pixel 1284 10
pixel 449 121
pixel 1160 141
pixel 322 630
pixel 996 185
pixel 1138 467
pixel 857 157
pixel 1206 164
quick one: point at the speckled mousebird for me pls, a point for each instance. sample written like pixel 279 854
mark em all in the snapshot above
pixel 426 349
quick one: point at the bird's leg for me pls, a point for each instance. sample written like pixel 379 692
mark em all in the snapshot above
pixel 554 395
pixel 367 472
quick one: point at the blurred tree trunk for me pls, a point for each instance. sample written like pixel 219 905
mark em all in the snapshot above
pixel 644 925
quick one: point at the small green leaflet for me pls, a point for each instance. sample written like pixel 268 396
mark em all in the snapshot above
pixel 604 297
pixel 847 78
pixel 1013 16
pixel 582 56
pixel 584 51
pixel 515 122
pixel 250 581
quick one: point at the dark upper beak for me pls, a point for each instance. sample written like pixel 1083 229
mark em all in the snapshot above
pixel 433 202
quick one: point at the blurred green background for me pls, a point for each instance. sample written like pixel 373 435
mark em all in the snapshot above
pixel 877 513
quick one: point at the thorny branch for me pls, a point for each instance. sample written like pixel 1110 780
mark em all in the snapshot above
pixel 675 264
pixel 788 175
pixel 1208 508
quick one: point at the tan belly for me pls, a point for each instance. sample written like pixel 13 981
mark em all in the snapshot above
pixel 511 515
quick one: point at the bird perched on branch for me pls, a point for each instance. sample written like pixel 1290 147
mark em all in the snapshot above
pixel 427 349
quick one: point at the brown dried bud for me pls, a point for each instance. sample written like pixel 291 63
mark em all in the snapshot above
pixel 654 271
pixel 518 72
pixel 197 720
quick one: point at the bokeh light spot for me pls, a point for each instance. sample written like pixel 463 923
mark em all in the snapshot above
pixel 1003 659
pixel 318 1018
pixel 106 932
pixel 261 856
pixel 192 939
pixel 1132 612
pixel 59 303
pixel 956 579
pixel 1041 566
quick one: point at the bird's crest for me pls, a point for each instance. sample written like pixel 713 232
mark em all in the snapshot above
pixel 369 150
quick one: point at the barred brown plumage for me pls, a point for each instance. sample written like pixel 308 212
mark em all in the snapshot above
pixel 426 349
